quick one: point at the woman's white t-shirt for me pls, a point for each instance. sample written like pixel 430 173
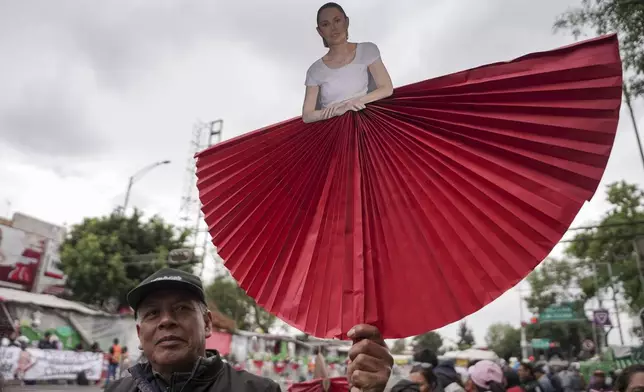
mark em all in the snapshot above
pixel 344 83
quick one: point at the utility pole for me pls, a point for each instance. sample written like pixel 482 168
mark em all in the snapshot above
pixel 612 287
pixel 629 104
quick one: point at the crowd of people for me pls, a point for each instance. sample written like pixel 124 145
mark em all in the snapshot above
pixel 430 375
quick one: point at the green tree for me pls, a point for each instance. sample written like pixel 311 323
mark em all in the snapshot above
pixel 429 340
pixel 625 17
pixel 557 282
pixel 465 336
pixel 232 301
pixel 107 256
pixel 504 340
pixel 611 243
pixel 399 346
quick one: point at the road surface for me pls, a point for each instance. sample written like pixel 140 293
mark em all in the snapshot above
pixel 52 388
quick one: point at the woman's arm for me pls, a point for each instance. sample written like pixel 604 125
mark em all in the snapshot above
pixel 309 114
pixel 384 86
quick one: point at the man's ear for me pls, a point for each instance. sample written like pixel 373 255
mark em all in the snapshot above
pixel 207 318
pixel 319 31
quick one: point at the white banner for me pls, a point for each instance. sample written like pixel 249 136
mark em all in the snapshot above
pixel 40 364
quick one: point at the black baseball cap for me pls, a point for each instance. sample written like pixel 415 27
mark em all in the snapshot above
pixel 166 279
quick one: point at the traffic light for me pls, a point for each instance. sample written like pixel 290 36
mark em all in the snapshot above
pixel 534 320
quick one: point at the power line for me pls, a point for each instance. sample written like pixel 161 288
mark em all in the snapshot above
pixel 632 223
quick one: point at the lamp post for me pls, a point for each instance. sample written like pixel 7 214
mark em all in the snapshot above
pixel 136 177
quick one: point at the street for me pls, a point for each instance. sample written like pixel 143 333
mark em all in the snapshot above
pixel 52 388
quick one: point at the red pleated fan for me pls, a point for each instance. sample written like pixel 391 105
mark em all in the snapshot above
pixel 424 207
pixel 335 384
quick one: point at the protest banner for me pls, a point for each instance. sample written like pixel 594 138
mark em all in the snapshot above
pixel 50 364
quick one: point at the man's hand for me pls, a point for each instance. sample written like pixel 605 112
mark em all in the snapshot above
pixel 371 362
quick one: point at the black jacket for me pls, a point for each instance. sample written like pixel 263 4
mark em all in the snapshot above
pixel 446 374
pixel 209 375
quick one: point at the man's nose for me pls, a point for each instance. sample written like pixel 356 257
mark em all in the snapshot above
pixel 168 319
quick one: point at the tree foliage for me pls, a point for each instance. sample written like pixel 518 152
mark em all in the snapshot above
pixel 611 243
pixel 465 336
pixel 232 301
pixel 625 17
pixel 105 257
pixel 584 274
pixel 429 340
pixel 557 282
pixel 504 340
pixel 399 346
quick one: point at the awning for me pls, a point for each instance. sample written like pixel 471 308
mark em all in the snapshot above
pixel 219 341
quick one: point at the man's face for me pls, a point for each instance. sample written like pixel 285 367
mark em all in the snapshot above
pixel 173 330
pixel 523 372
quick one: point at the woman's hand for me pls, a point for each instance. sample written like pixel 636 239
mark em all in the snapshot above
pixel 332 111
pixel 355 104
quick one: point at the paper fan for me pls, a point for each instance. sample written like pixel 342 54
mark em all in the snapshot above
pixel 424 207
pixel 335 384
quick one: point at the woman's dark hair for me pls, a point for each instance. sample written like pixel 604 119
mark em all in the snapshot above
pixel 529 368
pixel 426 356
pixel 427 372
pixel 512 378
pixel 495 387
pixel 625 377
pixel 324 7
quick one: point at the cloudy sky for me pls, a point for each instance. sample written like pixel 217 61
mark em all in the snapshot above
pixel 93 91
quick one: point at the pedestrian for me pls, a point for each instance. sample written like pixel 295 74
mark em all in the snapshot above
pixel 447 378
pixel 485 376
pixel 424 377
pixel 125 362
pixel 512 381
pixel 631 379
pixel 528 379
pixel 173 325
pixel 599 383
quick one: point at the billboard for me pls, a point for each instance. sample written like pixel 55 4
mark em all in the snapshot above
pixel 21 253
pixel 53 274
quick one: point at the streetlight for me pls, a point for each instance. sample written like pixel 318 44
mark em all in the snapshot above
pixel 137 176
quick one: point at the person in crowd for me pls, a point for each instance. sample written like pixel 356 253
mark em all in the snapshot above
pixel 631 379
pixel 447 377
pixel 512 381
pixel 173 324
pixel 25 362
pixel 424 377
pixel 56 344
pixel 528 378
pixel 95 348
pixel 555 378
pixel 125 362
pixel 598 383
pixel 46 343
pixel 544 380
pixel 114 360
pixel 406 386
pixel 485 376
pixel 117 350
pixel 111 367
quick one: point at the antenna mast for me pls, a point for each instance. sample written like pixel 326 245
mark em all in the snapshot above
pixel 204 135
